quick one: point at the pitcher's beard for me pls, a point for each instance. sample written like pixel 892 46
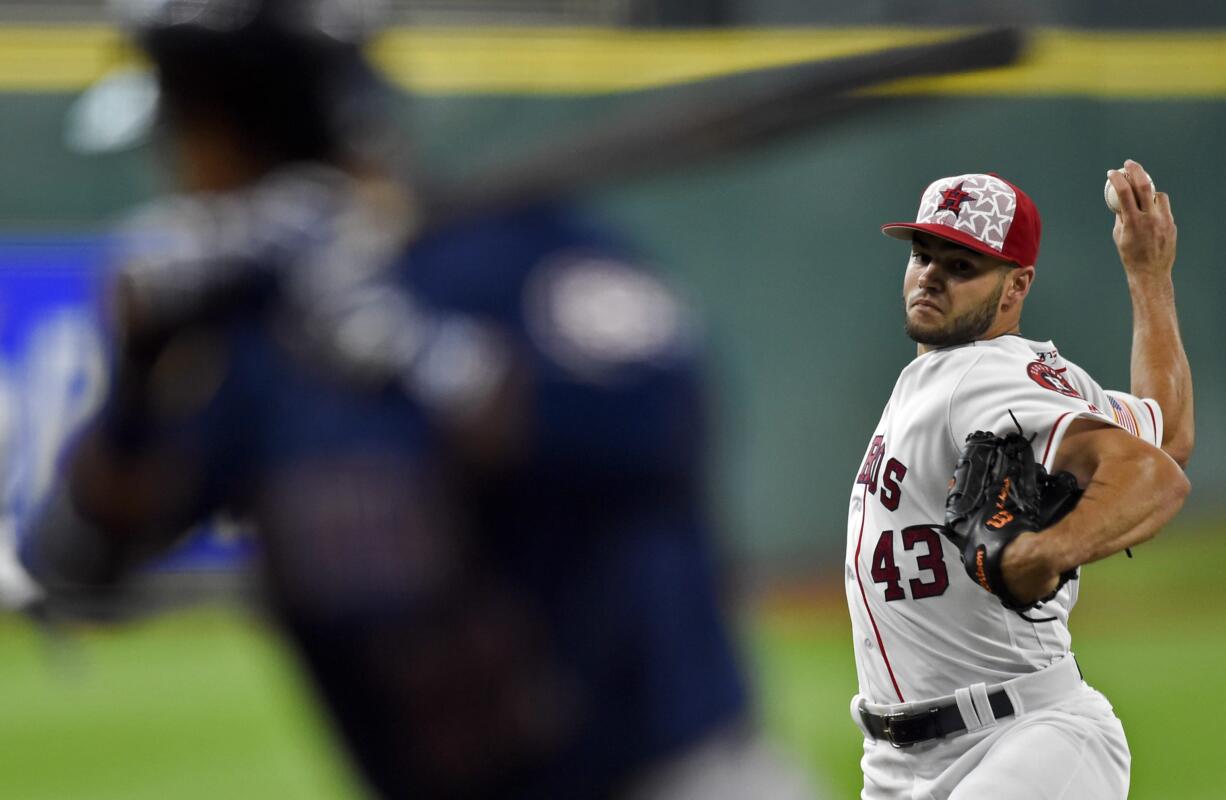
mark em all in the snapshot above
pixel 967 327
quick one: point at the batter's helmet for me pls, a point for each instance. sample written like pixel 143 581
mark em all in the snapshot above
pixel 289 75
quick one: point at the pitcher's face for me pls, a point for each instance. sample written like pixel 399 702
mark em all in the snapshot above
pixel 951 294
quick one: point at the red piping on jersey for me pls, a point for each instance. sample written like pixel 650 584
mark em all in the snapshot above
pixel 1052 438
pixel 877 633
pixel 1152 419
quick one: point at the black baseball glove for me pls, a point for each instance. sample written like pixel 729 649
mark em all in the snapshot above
pixel 997 493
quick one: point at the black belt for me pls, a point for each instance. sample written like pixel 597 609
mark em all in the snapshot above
pixel 904 730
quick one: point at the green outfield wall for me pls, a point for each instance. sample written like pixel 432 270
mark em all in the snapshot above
pixel 780 250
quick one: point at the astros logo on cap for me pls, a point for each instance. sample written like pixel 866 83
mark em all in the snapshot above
pixel 953 198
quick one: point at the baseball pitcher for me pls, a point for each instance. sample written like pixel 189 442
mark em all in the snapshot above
pixel 997 470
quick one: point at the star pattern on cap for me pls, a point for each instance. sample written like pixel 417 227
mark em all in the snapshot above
pixel 989 203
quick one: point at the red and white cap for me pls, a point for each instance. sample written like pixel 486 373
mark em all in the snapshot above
pixel 984 213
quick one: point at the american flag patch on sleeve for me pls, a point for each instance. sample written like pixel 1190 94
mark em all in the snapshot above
pixel 1124 416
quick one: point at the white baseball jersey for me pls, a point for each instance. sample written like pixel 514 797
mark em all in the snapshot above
pixel 922 627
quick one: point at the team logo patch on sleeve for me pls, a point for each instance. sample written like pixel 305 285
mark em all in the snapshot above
pixel 1051 378
pixel 592 314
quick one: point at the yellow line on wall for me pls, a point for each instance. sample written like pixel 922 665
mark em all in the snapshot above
pixel 1121 65
pixel 55 58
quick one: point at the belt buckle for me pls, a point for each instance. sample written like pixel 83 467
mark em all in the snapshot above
pixel 888 730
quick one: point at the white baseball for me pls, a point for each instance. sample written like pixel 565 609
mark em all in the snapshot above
pixel 1113 198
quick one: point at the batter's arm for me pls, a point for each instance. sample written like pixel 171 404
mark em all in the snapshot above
pixel 135 477
pixel 1132 489
pixel 117 507
pixel 1145 236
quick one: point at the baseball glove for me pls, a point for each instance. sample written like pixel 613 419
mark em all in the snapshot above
pixel 997 493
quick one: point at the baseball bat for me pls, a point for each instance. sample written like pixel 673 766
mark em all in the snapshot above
pixel 712 118
pixel 698 122
pixel 692 124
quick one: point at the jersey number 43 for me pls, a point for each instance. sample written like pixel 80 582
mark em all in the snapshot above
pixel 884 479
pixel 931 560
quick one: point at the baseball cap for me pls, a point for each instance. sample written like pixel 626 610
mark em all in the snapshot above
pixel 982 212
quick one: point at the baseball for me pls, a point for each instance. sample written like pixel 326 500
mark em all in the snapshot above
pixel 1113 198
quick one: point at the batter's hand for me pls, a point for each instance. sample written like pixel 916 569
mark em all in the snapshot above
pixel 1144 230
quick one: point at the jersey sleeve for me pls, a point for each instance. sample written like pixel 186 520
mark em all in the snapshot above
pixel 1002 394
pixel 618 379
pixel 1141 417
pixel 607 355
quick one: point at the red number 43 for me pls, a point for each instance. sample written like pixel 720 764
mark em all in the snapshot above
pixel 931 560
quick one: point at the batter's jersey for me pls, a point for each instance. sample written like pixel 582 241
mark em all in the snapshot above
pixel 600 526
pixel 922 627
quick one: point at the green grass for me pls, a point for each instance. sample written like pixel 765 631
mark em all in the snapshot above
pixel 806 677
pixel 206 704
pixel 197 705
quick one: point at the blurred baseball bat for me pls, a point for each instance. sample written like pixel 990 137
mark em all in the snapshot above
pixel 688 125
pixel 712 118
pixel 665 131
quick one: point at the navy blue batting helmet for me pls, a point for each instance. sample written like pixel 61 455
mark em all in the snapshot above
pixel 290 76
